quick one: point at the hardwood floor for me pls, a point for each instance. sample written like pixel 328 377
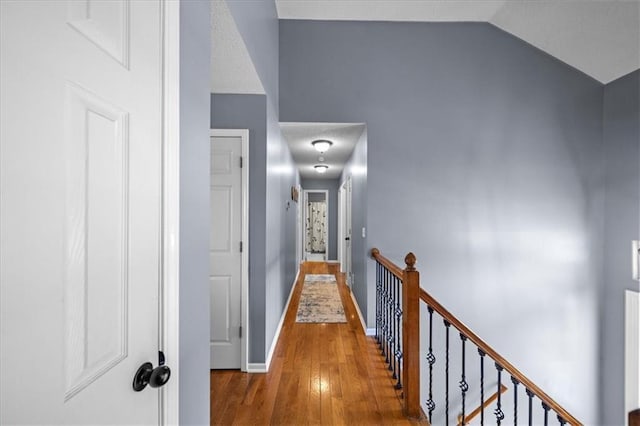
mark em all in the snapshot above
pixel 320 374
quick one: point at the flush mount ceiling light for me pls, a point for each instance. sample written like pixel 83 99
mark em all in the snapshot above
pixel 321 168
pixel 322 145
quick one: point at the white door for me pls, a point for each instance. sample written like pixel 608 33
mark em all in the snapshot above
pixel 225 252
pixel 80 215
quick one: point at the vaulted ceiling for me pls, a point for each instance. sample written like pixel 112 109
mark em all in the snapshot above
pixel 601 38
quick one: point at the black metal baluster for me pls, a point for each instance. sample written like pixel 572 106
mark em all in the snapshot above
pixel 464 386
pixel 391 322
pixel 431 359
pixel 378 291
pixel 382 298
pixel 447 324
pixel 515 399
pixel 498 411
pixel 399 333
pixel 530 395
pixel 482 354
pixel 561 420
pixel 545 407
pixel 394 329
pixel 386 316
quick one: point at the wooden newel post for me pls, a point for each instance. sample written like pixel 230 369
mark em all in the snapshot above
pixel 411 337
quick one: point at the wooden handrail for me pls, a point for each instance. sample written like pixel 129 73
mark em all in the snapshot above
pixel 484 347
pixel 375 253
pixel 472 415
pixel 410 280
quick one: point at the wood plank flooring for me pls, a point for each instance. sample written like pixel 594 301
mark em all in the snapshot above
pixel 320 374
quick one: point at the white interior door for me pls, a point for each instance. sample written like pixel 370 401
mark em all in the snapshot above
pixel 226 252
pixel 81 132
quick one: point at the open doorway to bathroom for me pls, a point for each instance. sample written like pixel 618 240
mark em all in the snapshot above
pixel 316 225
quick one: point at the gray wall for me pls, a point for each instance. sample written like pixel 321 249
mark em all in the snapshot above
pixel 257 23
pixel 250 112
pixel 356 169
pixel 484 159
pixel 195 48
pixel 330 185
pixel 622 213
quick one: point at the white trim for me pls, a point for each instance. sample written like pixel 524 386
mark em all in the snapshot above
pixel 632 352
pixel 299 226
pixel 364 325
pixel 169 315
pixel 243 134
pixel 341 214
pixel 257 367
pixel 264 368
pixel 370 332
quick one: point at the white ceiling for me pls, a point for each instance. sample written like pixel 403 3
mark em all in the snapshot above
pixel 232 70
pixel 598 37
pixel 300 135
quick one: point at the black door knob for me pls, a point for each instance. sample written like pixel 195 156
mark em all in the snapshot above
pixel 347 239
pixel 159 376
pixel 154 377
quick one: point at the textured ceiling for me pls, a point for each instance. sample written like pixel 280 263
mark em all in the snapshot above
pixel 601 38
pixel 232 70
pixel 300 135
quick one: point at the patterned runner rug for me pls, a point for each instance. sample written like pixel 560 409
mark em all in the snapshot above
pixel 320 300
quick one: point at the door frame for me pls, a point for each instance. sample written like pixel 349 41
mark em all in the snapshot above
pixel 299 226
pixel 243 134
pixel 169 316
pixel 341 227
pixel 345 224
pixel 326 222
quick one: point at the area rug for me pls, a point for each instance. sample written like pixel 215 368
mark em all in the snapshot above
pixel 320 300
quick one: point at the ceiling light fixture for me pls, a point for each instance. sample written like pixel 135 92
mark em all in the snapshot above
pixel 322 145
pixel 321 168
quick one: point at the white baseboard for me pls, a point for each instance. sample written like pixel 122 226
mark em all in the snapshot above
pixel 370 332
pixel 264 368
pixel 257 368
pixel 355 303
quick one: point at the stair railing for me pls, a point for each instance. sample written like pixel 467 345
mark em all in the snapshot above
pixel 398 297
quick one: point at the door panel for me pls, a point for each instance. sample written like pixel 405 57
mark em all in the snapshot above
pixel 80 214
pixel 225 275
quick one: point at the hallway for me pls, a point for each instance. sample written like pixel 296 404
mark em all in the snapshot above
pixel 320 374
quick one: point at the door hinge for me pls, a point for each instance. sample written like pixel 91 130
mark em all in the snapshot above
pixel 240 162
pixel 240 332
pixel 240 246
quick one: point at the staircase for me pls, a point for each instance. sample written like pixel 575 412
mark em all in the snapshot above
pixel 453 367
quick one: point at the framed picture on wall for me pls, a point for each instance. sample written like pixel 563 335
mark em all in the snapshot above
pixel 294 193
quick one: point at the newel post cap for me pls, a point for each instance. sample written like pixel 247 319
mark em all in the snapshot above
pixel 410 260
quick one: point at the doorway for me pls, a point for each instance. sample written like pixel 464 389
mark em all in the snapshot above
pixel 316 225
pixel 344 229
pixel 228 249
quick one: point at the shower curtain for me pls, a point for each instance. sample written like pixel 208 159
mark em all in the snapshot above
pixel 316 220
